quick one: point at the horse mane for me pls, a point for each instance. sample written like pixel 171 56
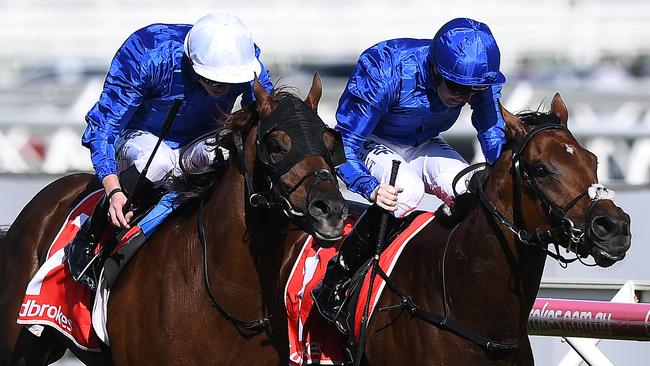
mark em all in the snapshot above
pixel 536 118
pixel 195 186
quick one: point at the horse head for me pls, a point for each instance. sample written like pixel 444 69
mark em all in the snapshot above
pixel 294 162
pixel 556 188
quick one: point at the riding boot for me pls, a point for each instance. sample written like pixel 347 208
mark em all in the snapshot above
pixel 460 206
pixel 356 248
pixel 81 250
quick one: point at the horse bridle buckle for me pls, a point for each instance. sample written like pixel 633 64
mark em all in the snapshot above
pixel 575 234
pixel 257 200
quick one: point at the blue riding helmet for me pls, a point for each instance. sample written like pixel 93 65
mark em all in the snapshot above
pixel 465 52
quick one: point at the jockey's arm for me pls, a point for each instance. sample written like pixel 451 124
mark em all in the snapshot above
pixel 363 102
pixel 124 90
pixel 488 122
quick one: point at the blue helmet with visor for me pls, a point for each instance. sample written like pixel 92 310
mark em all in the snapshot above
pixel 465 52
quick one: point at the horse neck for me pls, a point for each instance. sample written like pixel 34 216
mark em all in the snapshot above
pixel 224 221
pixel 501 276
pixel 245 243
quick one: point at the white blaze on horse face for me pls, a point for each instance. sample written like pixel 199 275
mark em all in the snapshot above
pixel 570 149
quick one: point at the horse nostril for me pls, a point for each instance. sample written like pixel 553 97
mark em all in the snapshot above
pixel 626 224
pixel 605 227
pixel 319 208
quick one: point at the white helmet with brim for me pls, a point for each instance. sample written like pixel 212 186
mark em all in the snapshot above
pixel 221 49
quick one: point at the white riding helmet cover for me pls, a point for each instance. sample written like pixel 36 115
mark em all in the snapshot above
pixel 221 49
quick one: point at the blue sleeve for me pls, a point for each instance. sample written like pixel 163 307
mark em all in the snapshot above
pixel 489 123
pixel 123 92
pixel 265 79
pixel 365 99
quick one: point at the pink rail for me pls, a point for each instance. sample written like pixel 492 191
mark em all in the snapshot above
pixel 592 319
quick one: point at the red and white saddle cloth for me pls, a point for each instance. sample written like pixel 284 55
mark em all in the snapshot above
pixel 53 298
pixel 313 340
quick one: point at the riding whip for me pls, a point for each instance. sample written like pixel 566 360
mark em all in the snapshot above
pixel 163 131
pixel 374 262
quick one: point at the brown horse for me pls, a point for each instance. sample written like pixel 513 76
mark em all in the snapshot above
pixel 462 295
pixel 160 311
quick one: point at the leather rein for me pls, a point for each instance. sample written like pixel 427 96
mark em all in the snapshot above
pixel 269 198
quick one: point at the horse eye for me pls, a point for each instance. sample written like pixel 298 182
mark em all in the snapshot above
pixel 539 170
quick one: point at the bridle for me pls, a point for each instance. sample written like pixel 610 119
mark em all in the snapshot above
pixel 305 129
pixel 562 231
pixel 276 195
pixel 269 197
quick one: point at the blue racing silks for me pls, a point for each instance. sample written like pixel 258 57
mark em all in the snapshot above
pixel 148 72
pixel 391 94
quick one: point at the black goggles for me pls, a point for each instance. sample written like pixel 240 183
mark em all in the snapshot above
pixel 456 88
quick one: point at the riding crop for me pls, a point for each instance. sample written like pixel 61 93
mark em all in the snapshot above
pixel 374 263
pixel 163 132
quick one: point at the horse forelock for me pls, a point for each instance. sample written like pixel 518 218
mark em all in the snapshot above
pixel 244 118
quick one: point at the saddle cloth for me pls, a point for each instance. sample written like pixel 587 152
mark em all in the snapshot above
pixel 53 298
pixel 312 339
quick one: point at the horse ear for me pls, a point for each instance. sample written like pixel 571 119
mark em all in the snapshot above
pixel 262 99
pixel 559 109
pixel 315 92
pixel 514 129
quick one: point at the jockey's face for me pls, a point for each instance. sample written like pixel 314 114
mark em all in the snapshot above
pixel 453 99
pixel 213 88
pixel 453 94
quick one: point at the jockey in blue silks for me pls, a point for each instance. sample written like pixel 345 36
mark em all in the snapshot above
pixel 209 65
pixel 401 96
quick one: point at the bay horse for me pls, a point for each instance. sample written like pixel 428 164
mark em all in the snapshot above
pixel 278 185
pixel 462 295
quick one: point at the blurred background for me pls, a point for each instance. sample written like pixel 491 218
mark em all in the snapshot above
pixel 54 55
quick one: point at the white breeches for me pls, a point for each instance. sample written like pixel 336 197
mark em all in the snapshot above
pixel 134 147
pixel 429 167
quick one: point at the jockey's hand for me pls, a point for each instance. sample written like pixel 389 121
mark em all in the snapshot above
pixel 115 212
pixel 385 196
